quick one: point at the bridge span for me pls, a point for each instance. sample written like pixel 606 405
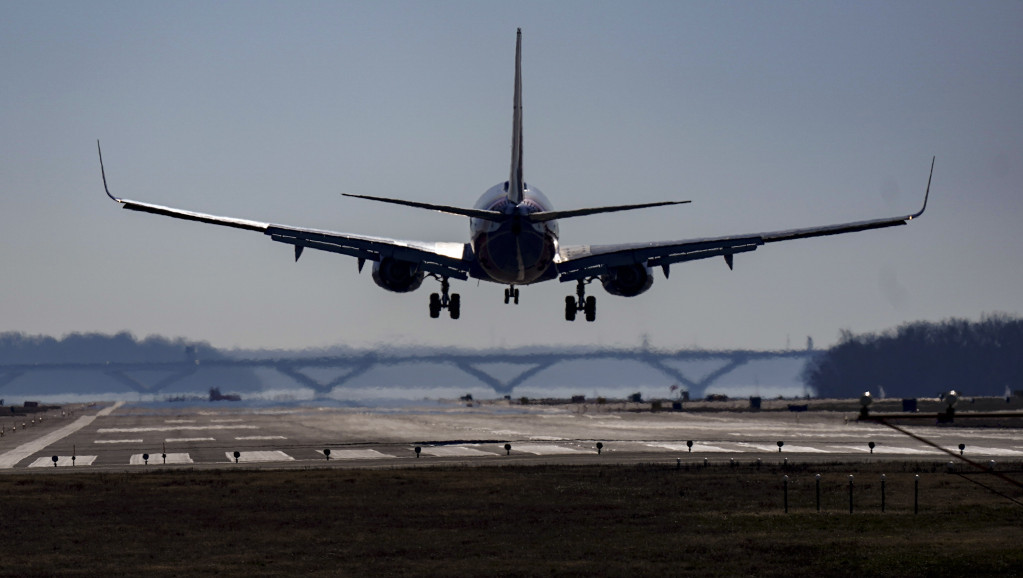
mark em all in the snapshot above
pixel 519 366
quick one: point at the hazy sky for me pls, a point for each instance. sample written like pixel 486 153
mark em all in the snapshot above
pixel 767 115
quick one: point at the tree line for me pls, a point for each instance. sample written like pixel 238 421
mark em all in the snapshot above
pixel 924 359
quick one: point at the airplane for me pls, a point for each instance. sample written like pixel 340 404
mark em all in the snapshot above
pixel 514 240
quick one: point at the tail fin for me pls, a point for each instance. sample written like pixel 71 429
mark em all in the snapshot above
pixel 516 185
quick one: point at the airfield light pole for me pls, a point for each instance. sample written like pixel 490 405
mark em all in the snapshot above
pixel 850 493
pixel 818 492
pixel 785 486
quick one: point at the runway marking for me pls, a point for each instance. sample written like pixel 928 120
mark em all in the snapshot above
pixel 979 451
pixel 118 441
pixel 260 456
pixel 173 440
pixel 12 457
pixel 548 449
pixel 546 438
pixel 888 450
pixel 787 448
pixel 62 461
pixel 227 420
pixel 454 451
pixel 697 447
pixel 179 421
pixel 260 438
pixel 357 455
pixel 157 459
pixel 171 428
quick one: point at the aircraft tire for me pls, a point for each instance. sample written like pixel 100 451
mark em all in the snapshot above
pixel 455 306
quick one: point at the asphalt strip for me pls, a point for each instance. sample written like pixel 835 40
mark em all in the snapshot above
pixel 10 459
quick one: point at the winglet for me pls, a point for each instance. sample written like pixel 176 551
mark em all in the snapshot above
pixel 926 194
pixel 104 172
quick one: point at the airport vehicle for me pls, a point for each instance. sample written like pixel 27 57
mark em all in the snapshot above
pixel 514 241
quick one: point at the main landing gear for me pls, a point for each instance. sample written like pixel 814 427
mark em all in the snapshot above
pixel 442 301
pixel 511 294
pixel 588 305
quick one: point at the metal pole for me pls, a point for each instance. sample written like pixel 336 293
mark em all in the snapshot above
pixel 882 493
pixel 818 492
pixel 850 493
pixel 785 484
pixel 916 494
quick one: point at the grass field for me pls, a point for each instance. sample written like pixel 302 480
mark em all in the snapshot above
pixel 512 520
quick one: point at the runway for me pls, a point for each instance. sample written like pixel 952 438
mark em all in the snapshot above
pixel 128 437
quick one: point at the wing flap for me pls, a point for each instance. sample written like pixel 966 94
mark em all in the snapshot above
pixel 444 259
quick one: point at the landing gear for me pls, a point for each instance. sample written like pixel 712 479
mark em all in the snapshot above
pixel 442 300
pixel 588 305
pixel 511 294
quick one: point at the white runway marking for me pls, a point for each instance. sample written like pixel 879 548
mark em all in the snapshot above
pixel 979 451
pixel 157 459
pixel 454 451
pixel 227 420
pixel 697 447
pixel 62 461
pixel 11 458
pixel 261 438
pixel 787 448
pixel 547 449
pixel 179 421
pixel 174 440
pixel 170 428
pixel 263 456
pixel 117 441
pixel 889 450
pixel 357 455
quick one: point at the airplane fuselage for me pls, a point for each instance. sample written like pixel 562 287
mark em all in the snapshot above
pixel 515 251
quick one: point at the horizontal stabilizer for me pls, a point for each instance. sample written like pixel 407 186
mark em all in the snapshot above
pixel 474 213
pixel 551 215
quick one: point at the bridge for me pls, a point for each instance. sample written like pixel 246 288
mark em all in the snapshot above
pixel 478 364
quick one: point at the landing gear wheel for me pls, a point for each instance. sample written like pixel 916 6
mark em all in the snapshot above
pixel 511 294
pixel 570 308
pixel 455 305
pixel 591 308
pixel 434 305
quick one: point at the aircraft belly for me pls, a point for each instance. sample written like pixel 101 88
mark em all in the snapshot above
pixel 518 259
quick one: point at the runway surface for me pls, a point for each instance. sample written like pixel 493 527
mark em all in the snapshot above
pixel 119 437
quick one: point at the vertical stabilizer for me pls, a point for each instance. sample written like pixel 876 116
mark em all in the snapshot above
pixel 516 185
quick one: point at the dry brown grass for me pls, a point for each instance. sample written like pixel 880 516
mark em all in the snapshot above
pixel 516 521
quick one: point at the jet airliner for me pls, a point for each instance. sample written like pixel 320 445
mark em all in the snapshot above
pixel 514 240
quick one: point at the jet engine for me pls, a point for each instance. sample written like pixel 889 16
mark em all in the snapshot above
pixel 398 276
pixel 627 280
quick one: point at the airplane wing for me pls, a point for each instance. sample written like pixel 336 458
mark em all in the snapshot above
pixel 444 259
pixel 587 261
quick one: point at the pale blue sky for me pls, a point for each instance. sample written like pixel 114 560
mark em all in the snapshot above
pixel 767 115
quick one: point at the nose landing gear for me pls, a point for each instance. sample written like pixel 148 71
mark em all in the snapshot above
pixel 511 294
pixel 452 303
pixel 588 305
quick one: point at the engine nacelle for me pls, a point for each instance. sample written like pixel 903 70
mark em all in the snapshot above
pixel 628 280
pixel 397 276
